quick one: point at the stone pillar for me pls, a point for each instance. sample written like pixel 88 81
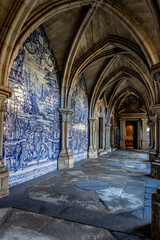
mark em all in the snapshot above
pixel 152 151
pixel 155 164
pixel 92 151
pixel 113 136
pixel 139 135
pixel 122 133
pixel 155 225
pixel 156 136
pixel 144 132
pixel 4 173
pixel 65 158
pixel 108 138
pixel 150 124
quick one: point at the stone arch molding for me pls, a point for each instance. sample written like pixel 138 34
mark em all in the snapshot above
pixel 119 97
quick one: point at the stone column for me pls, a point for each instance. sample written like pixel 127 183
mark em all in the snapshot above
pixel 122 133
pixel 92 151
pixel 156 135
pixel 152 150
pixel 150 124
pixel 144 132
pixel 155 225
pixel 150 135
pixel 4 173
pixel 155 164
pixel 108 138
pixel 113 137
pixel 65 158
pixel 153 132
pixel 139 135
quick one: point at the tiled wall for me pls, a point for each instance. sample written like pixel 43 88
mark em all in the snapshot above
pixel 78 134
pixel 32 121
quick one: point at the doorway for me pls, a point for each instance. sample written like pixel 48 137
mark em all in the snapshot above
pixel 131 134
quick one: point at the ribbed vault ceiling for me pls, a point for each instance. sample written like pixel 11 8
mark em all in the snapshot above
pixel 99 70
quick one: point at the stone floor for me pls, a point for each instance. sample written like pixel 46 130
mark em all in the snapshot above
pixel 104 198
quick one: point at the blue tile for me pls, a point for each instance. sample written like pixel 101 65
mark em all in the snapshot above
pixel 32 121
pixel 78 133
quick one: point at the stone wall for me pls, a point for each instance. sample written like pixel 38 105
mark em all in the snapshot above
pixel 78 134
pixel 32 121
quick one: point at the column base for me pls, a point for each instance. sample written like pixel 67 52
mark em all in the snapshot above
pixel 122 145
pixel 152 155
pixel 108 148
pixel 144 145
pixel 102 152
pixel 155 168
pixel 4 179
pixel 92 152
pixel 65 159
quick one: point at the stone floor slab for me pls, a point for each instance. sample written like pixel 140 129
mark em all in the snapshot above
pixel 23 225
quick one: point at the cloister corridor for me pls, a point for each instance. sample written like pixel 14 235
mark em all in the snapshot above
pixel 108 197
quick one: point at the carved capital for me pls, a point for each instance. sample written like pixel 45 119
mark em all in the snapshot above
pixel 92 119
pixel 5 91
pixel 65 112
pixel 155 72
pixel 156 109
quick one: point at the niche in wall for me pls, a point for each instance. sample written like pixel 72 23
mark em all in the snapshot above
pixel 32 120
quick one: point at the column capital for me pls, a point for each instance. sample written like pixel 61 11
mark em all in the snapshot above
pixel 143 119
pixel 152 118
pixel 65 112
pixel 5 92
pixel 155 72
pixel 92 119
pixel 121 119
pixel 155 108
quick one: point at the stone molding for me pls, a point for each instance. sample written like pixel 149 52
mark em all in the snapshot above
pixel 133 116
pixel 5 91
pixel 155 108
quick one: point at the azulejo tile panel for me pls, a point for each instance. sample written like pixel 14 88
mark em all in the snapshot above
pixel 32 120
pixel 78 133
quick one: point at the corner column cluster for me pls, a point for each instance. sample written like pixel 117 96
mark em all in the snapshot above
pixel 92 152
pixel 4 173
pixel 65 158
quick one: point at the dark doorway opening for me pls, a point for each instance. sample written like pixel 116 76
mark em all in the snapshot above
pixel 101 131
pixel 131 134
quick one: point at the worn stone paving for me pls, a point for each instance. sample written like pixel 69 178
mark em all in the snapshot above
pixel 121 194
pixel 112 192
pixel 18 224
